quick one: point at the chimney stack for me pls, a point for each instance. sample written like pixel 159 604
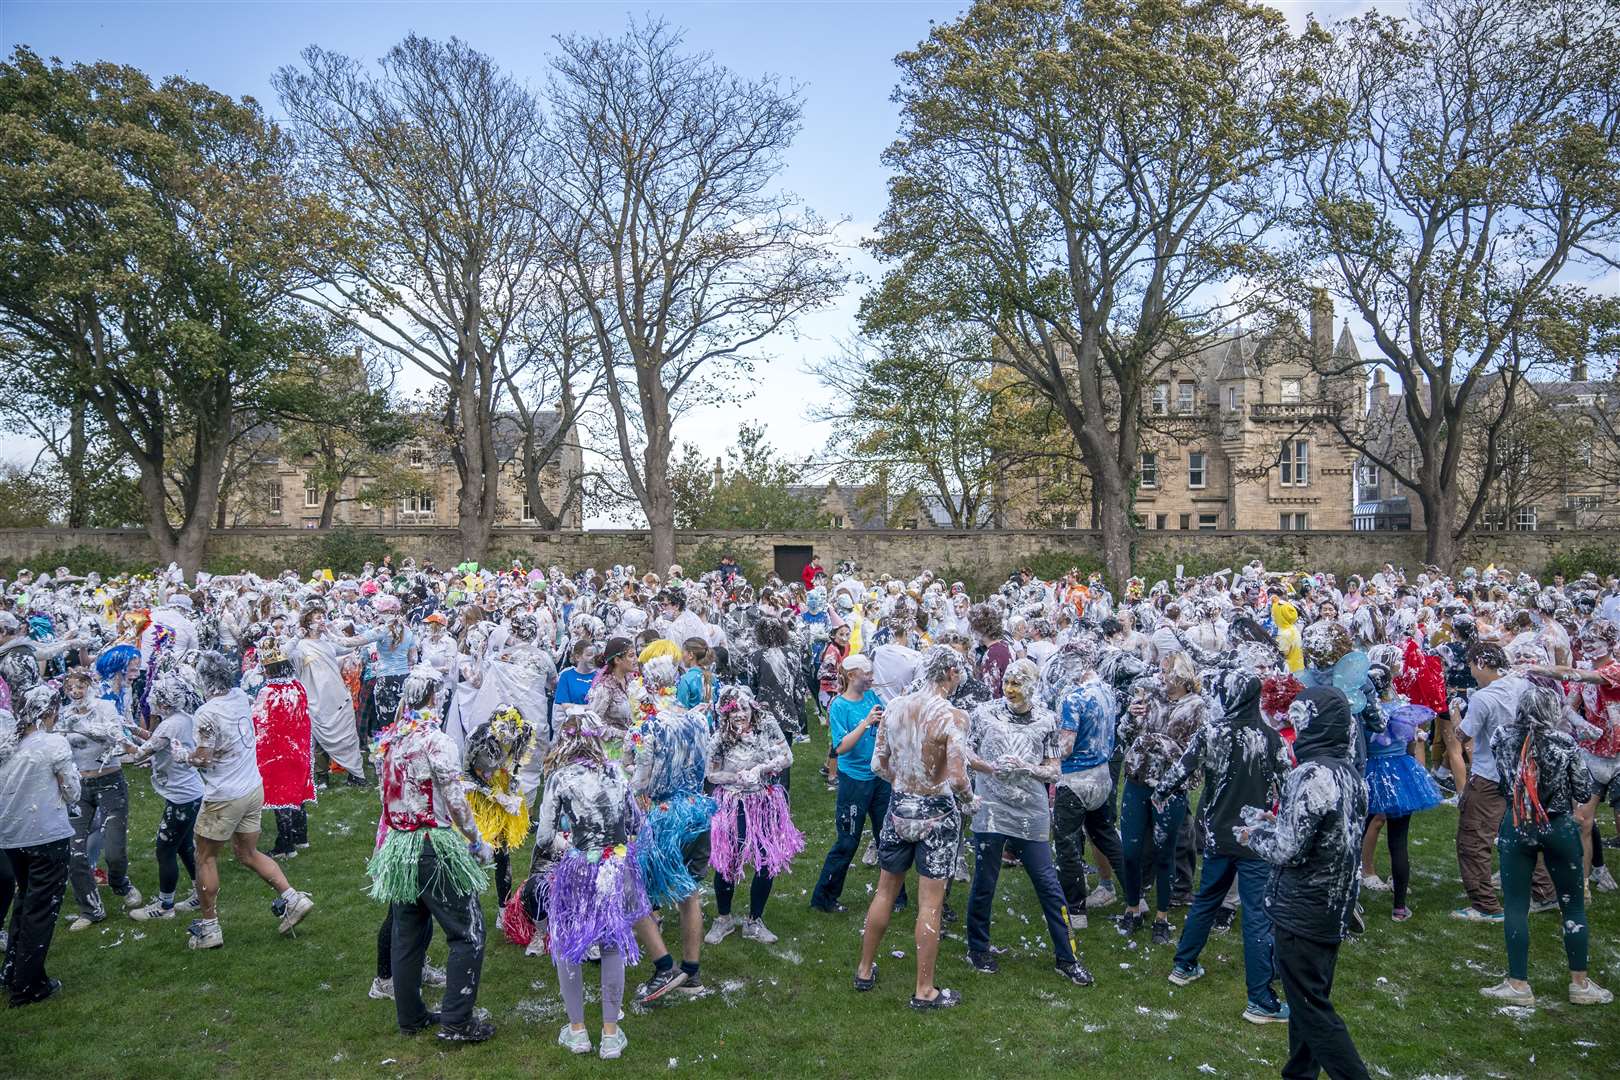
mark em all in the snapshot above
pixel 1321 326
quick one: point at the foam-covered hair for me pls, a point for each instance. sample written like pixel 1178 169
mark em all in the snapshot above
pixel 37 704
pixel 658 673
pixel 173 692
pixel 217 672
pixel 939 661
pixel 421 686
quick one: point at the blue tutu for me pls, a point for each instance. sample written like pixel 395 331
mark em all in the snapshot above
pixel 671 824
pixel 1397 786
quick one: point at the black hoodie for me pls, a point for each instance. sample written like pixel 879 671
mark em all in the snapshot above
pixel 1315 840
pixel 1243 760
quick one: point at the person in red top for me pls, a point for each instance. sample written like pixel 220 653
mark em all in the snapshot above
pixel 282 734
pixel 995 654
pixel 811 571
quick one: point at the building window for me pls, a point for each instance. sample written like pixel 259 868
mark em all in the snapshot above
pixel 1161 521
pixel 1209 522
pixel 417 505
pixel 414 457
pixel 1525 520
pixel 1583 452
pixel 838 521
pixel 528 508
pixel 1294 522
pixel 312 492
pixel 275 497
pixel 1232 398
pixel 1186 394
pixel 1196 468
pixel 1186 521
pixel 909 523
pixel 1290 392
pixel 1150 470
pixel 1296 463
pixel 1161 398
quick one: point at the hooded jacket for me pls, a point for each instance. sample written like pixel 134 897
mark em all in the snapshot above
pixel 1243 759
pixel 1286 616
pixel 1315 840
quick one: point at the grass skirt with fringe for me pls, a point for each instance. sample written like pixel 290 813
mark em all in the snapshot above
pixel 753 828
pixel 395 867
pixel 595 898
pixel 671 824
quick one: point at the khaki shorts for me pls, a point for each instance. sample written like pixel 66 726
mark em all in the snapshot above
pixel 219 821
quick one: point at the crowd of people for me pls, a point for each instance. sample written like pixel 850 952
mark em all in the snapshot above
pixel 598 744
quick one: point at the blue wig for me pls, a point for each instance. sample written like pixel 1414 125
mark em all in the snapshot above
pixel 115 659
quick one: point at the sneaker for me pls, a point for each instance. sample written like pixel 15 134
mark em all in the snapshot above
pixel 1374 883
pixel 132 898
pixel 693 986
pixel 1180 976
pixel 85 922
pixel 1537 907
pixel 1612 842
pixel 575 1042
pixel 613 1045
pixel 863 985
pixel 1161 932
pixel 942 999
pixel 1401 914
pixel 190 903
pixel 433 976
pixel 381 990
pixel 833 908
pixel 1496 880
pixel 431 1019
pixel 722 928
pixel 1590 994
pixel 299 906
pixel 1128 923
pixel 1259 1014
pixel 473 1031
pixel 983 963
pixel 1358 920
pixel 1104 895
pixel 869 857
pixel 100 876
pixel 155 910
pixel 1603 880
pixel 1223 920
pixel 1075 972
pixel 661 983
pixel 1506 991
pixel 756 930
pixel 1181 899
pixel 536 947
pixel 202 936
pixel 283 855
pixel 52 988
pixel 1078 922
pixel 1473 914
pixel 961 872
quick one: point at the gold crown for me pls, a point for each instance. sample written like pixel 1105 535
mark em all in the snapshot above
pixel 271 654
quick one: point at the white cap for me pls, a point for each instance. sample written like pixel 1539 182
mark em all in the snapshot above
pixel 856 662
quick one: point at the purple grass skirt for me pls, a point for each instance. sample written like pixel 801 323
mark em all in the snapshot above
pixel 752 829
pixel 595 902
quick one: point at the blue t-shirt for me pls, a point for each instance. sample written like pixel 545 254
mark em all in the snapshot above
pixel 393 660
pixel 1089 710
pixel 844 716
pixel 689 691
pixel 572 687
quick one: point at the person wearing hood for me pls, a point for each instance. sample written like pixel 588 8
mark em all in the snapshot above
pixel 1286 616
pixel 38 783
pixel 1314 842
pixel 1244 762
pixel 1543 780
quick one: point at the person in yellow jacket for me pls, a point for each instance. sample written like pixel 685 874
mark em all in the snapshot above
pixel 1286 616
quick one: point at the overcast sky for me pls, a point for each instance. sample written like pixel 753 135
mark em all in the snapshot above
pixel 841 53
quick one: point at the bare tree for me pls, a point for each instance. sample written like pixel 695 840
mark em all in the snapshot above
pixel 1480 169
pixel 683 253
pixel 432 163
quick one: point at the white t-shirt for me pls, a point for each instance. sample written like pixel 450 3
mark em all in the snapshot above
pixel 174 780
pixel 224 727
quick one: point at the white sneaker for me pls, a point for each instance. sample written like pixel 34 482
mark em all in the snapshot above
pixel 1078 922
pixel 1538 906
pixel 869 858
pixel 1506 991
pixel 536 947
pixel 722 928
pixel 154 910
pixel 575 1042
pixel 756 930
pixel 190 903
pixel 200 936
pixel 132 898
pixel 1102 896
pixel 612 1045
pixel 1590 994
pixel 82 922
pixel 381 990
pixel 1603 880
pixel 961 872
pixel 1496 880
pixel 1374 883
pixel 433 976
pixel 299 906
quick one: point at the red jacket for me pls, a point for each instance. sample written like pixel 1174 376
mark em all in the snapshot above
pixel 809 574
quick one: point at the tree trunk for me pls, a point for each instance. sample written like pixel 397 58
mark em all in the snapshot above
pixel 1113 514
pixel 1440 545
pixel 78 497
pixel 660 509
pixel 328 507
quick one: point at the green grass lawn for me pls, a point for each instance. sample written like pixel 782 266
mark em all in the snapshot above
pixel 137 1003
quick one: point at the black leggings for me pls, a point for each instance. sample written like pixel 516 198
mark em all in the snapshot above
pixel 1396 830
pixel 175 844
pixel 759 891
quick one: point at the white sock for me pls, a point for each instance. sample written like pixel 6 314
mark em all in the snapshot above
pixel 289 894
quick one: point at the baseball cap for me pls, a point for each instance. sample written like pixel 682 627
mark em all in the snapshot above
pixel 857 662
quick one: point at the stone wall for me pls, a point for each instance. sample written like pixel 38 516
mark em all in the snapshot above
pixel 984 554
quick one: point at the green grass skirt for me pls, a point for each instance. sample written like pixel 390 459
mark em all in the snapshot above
pixel 395 867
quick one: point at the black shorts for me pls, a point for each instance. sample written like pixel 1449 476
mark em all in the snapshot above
pixel 920 830
pixel 696 855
